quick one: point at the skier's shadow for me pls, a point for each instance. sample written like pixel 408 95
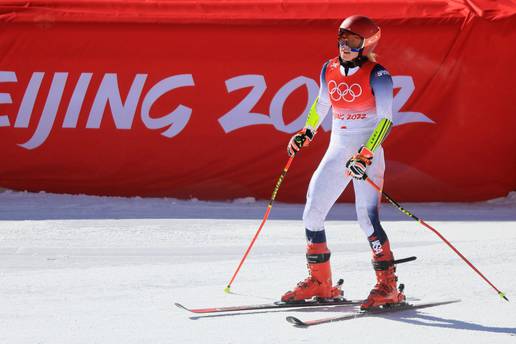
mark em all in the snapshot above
pixel 416 318
pixel 413 317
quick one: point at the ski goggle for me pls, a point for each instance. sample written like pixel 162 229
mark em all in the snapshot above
pixel 351 40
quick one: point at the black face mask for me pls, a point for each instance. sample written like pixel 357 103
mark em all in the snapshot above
pixel 356 62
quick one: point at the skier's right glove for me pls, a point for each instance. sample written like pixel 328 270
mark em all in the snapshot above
pixel 301 139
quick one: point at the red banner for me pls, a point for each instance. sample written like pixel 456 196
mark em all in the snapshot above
pixel 200 100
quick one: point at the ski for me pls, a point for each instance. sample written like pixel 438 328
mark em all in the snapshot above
pixel 272 305
pixel 362 314
pixel 280 304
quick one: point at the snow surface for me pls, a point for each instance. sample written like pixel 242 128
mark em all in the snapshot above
pixel 83 269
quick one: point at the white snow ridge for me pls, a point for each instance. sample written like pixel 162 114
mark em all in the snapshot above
pixel 82 269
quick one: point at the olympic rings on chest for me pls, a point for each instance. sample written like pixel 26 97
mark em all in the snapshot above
pixel 344 91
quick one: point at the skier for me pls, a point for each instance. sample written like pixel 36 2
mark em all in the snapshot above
pixel 360 93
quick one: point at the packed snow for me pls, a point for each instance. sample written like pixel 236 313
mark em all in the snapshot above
pixel 85 269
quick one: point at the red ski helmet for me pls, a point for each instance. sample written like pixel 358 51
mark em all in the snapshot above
pixel 363 27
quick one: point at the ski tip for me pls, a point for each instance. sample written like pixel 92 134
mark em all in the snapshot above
pixel 180 306
pixel 295 321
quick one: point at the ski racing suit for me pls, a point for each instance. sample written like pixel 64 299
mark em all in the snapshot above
pixel 361 104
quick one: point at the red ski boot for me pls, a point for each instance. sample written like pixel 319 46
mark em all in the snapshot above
pixel 318 284
pixel 385 291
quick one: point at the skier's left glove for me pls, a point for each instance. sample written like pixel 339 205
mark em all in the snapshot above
pixel 358 163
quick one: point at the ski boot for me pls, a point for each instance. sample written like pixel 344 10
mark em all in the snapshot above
pixel 318 285
pixel 385 292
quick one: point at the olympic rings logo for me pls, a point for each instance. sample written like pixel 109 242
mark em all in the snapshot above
pixel 344 91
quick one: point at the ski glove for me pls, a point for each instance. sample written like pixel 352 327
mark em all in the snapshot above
pixel 358 163
pixel 299 140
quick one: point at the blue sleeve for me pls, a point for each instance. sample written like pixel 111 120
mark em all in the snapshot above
pixel 381 83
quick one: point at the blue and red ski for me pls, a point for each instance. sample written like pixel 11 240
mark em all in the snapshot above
pixel 366 313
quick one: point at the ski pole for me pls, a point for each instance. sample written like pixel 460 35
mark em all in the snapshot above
pixel 408 213
pixel 269 207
